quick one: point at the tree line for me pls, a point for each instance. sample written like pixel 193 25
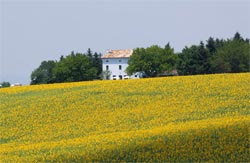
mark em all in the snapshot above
pixel 217 56
pixel 73 67
pixel 4 84
pixel 214 56
pixel 152 61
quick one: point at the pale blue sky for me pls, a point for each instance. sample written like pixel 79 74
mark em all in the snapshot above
pixel 37 30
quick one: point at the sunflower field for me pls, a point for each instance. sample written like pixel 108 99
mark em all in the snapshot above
pixel 202 118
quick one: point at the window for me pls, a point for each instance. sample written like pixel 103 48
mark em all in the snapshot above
pixel 136 76
pixel 120 60
pixel 120 67
pixel 107 60
pixel 107 67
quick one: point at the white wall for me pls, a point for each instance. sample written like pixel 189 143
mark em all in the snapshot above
pixel 113 64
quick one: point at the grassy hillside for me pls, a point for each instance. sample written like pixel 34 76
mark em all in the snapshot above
pixel 191 118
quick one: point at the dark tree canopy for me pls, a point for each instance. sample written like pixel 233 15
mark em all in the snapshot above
pixel 211 45
pixel 153 61
pixel 43 74
pixel 217 56
pixel 5 84
pixel 74 67
pixel 234 57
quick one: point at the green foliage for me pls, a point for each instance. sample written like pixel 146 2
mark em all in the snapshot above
pixel 211 45
pixel 96 62
pixel 106 75
pixel 186 64
pixel 194 60
pixel 5 84
pixel 232 57
pixel 217 56
pixel 74 67
pixel 43 74
pixel 153 61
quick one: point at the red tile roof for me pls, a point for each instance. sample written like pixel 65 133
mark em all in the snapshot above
pixel 118 54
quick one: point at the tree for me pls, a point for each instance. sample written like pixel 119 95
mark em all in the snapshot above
pixel 61 58
pixel 153 61
pixel 139 62
pixel 89 53
pixel 194 60
pixel 5 84
pixel 43 74
pixel 218 56
pixel 74 67
pixel 187 63
pixel 232 57
pixel 168 60
pixel 238 37
pixel 106 75
pixel 211 45
pixel 97 63
pixel 203 64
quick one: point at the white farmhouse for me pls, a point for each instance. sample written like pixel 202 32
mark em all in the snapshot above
pixel 114 64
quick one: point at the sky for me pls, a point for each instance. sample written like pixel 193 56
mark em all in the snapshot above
pixel 32 31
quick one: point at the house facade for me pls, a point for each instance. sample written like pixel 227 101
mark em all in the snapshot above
pixel 114 64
